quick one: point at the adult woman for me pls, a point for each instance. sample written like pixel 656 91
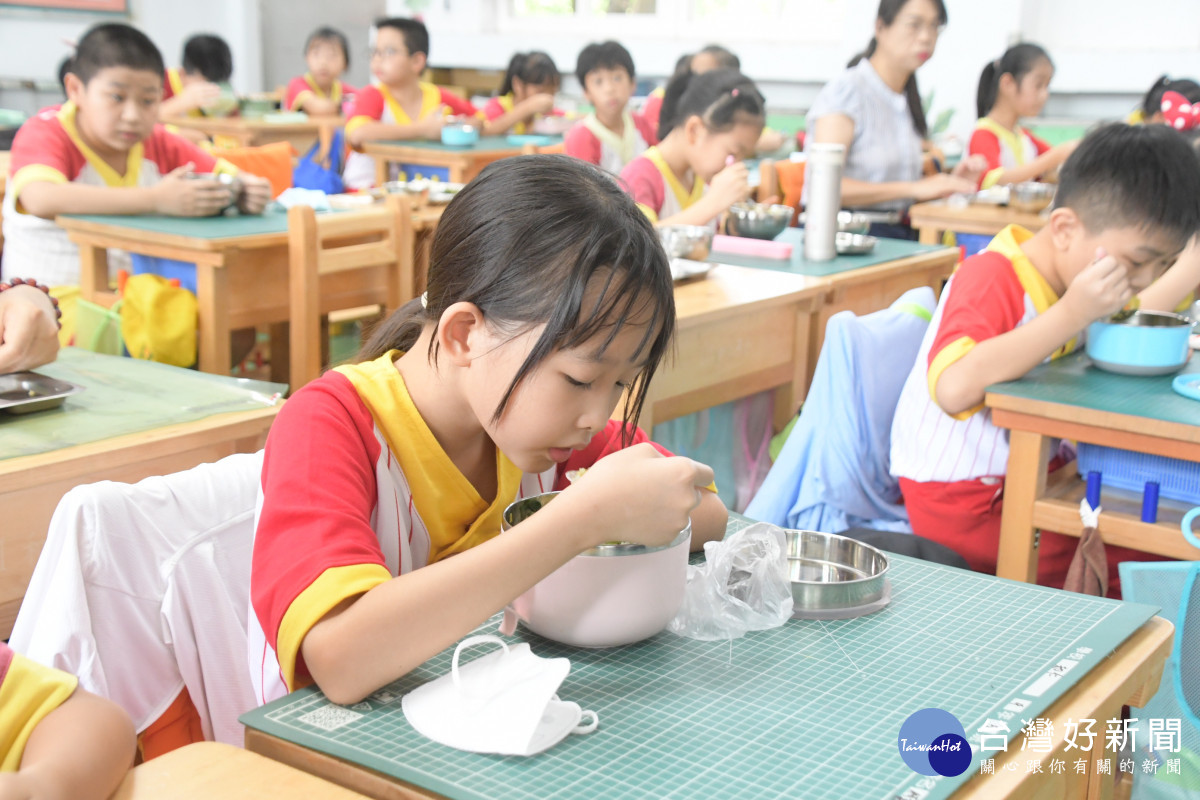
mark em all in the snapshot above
pixel 874 110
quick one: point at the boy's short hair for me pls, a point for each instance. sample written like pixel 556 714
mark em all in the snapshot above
pixel 603 55
pixel 328 34
pixel 1133 176
pixel 416 35
pixel 209 56
pixel 114 44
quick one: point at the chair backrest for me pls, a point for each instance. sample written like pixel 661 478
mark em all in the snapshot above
pixel 143 589
pixel 344 260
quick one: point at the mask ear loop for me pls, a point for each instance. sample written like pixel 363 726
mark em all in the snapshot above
pixel 471 641
pixel 586 727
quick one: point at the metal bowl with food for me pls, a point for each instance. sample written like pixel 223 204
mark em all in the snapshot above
pixel 1147 343
pixel 835 577
pixel 853 244
pixel 686 241
pixel 614 594
pixel 233 182
pixel 1031 196
pixel 759 220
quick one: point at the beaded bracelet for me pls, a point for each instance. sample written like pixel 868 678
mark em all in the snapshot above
pixel 11 282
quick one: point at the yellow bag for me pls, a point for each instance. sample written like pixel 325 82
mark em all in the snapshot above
pixel 158 320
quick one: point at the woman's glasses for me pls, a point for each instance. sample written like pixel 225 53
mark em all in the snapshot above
pixel 914 26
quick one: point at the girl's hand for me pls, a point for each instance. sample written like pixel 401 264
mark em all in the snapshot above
pixel 1101 289
pixel 28 329
pixel 730 185
pixel 971 168
pixel 538 103
pixel 179 195
pixel 941 185
pixel 256 193
pixel 637 495
pixel 201 94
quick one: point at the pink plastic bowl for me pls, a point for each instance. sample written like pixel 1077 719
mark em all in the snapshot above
pixel 607 596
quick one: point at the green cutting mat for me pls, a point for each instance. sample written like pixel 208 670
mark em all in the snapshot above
pixel 1073 381
pixel 885 250
pixel 808 710
pixel 124 395
pixel 273 220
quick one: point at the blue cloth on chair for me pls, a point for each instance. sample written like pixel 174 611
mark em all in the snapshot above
pixel 832 473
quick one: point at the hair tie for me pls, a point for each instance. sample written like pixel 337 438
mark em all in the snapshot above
pixel 1179 113
pixel 734 92
pixel 424 299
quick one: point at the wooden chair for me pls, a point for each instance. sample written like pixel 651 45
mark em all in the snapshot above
pixel 768 182
pixel 340 261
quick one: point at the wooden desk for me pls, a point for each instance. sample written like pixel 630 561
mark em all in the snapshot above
pixel 241 267
pixel 460 163
pixel 32 485
pixel 1071 399
pixel 807 710
pixel 933 218
pixel 860 284
pixel 214 771
pixel 254 132
pixel 739 331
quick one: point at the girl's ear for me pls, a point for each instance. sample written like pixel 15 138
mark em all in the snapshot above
pixel 1008 84
pixel 518 87
pixel 693 126
pixel 460 333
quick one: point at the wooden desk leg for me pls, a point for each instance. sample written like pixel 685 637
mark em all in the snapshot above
pixel 381 170
pixel 789 397
pixel 927 235
pixel 212 292
pixel 93 271
pixel 1028 458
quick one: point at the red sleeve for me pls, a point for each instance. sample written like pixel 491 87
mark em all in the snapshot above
pixel 652 110
pixel 170 151
pixel 316 510
pixel 583 144
pixel 984 299
pixel 1041 144
pixel 458 105
pixel 42 141
pixel 368 102
pixel 986 144
pixel 646 127
pixel 493 108
pixel 604 443
pixel 294 88
pixel 168 92
pixel 644 183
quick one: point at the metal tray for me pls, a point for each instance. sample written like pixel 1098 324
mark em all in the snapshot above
pixel 25 392
pixel 685 269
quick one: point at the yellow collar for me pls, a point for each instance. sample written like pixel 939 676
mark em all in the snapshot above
pixel 624 143
pixel 685 198
pixel 507 101
pixel 1008 244
pixel 431 98
pixel 456 517
pixel 335 93
pixel 133 161
pixel 1011 139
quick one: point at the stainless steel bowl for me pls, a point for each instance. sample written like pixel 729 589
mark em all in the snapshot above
pixel 830 572
pixel 523 509
pixel 759 220
pixel 225 179
pixel 686 241
pixel 853 244
pixel 853 222
pixel 1031 196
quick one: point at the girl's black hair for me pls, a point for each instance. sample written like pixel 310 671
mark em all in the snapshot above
pixel 524 241
pixel 534 67
pixel 888 11
pixel 1152 102
pixel 208 55
pixel 717 97
pixel 1018 61
pixel 328 34
pixel 113 44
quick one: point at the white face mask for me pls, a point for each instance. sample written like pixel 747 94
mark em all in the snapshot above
pixel 504 703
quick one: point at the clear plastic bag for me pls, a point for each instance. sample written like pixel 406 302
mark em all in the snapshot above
pixel 741 586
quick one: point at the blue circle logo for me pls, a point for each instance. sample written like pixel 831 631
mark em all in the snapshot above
pixel 933 742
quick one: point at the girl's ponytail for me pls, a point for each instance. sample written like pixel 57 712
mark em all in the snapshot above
pixel 989 85
pixel 671 95
pixel 399 331
pixel 515 65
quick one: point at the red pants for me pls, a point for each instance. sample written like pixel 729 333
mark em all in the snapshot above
pixel 965 516
pixel 177 726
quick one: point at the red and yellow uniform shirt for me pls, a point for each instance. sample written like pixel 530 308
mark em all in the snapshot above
pixel 303 87
pixel 992 293
pixel 1003 149
pixel 597 144
pixel 356 490
pixel 28 692
pixel 501 105
pixel 48 148
pixel 655 188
